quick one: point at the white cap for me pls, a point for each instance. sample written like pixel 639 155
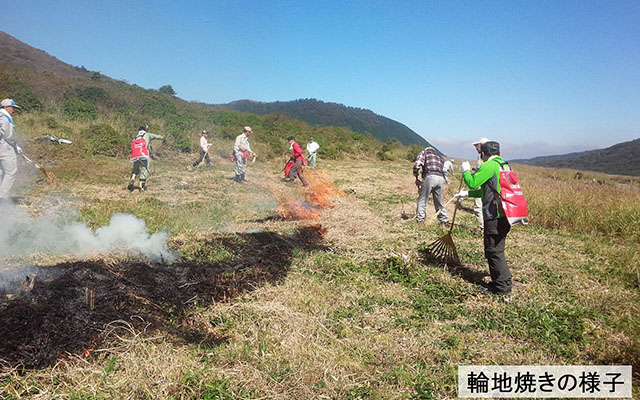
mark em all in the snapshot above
pixel 481 141
pixel 248 129
pixel 9 103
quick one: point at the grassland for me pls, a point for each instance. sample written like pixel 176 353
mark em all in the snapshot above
pixel 367 315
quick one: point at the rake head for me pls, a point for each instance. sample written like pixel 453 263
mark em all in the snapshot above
pixel 444 249
pixel 52 178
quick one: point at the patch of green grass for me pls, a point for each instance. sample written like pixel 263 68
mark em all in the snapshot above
pixel 98 212
pixel 198 386
pixel 333 266
pixel 393 268
pixel 390 198
pixel 111 365
pixel 549 276
pixel 423 389
pixel 436 299
pixel 83 395
pixel 280 370
pixel 559 329
pixel 358 393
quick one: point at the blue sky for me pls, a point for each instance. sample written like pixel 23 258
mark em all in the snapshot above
pixel 541 77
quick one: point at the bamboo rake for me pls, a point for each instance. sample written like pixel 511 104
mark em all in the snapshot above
pixel 444 248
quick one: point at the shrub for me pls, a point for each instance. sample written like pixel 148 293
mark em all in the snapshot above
pixel 167 89
pixel 92 94
pixel 102 139
pixel 79 109
pixel 159 107
pixel 413 152
pixel 178 127
pixel 22 95
pixel 52 123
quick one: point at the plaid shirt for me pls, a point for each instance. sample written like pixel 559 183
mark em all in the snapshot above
pixel 430 162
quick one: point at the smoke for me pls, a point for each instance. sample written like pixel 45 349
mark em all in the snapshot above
pixel 22 235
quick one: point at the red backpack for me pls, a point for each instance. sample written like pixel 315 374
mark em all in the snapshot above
pixel 514 204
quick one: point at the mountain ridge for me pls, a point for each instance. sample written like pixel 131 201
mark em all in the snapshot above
pixel 317 112
pixel 620 159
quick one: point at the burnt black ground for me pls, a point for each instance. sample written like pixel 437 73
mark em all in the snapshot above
pixel 53 319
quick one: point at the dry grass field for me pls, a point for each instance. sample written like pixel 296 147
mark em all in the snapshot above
pixel 337 302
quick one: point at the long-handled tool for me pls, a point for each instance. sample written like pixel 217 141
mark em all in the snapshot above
pixel 443 207
pixel 444 248
pixel 206 153
pixel 42 169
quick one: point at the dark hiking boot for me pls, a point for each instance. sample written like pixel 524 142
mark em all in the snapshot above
pixel 491 289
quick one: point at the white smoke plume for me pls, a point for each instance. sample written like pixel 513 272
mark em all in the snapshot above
pixel 22 235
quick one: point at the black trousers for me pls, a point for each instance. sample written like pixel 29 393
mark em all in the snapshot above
pixel 495 233
pixel 205 155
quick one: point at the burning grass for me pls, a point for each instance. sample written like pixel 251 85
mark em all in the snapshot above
pixel 316 196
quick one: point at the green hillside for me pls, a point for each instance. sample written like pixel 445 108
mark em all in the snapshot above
pixel 316 112
pixel 100 114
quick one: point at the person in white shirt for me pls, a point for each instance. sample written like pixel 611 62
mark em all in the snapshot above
pixel 9 149
pixel 312 149
pixel 204 150
pixel 447 169
pixel 241 153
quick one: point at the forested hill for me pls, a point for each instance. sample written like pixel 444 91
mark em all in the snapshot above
pixel 620 159
pixel 100 115
pixel 316 112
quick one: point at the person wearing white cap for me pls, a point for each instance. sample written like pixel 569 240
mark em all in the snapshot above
pixel 477 205
pixel 241 152
pixel 204 151
pixel 9 149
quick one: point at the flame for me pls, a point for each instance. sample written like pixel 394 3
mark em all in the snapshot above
pixel 316 197
pixel 297 209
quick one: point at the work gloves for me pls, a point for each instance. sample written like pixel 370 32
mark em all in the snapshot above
pixel 461 194
pixel 18 149
pixel 465 166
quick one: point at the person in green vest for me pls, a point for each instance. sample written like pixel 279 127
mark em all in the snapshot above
pixel 485 184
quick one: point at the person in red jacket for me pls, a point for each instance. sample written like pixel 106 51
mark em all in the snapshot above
pixel 298 158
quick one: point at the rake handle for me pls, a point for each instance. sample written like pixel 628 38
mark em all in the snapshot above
pixel 445 204
pixel 455 210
